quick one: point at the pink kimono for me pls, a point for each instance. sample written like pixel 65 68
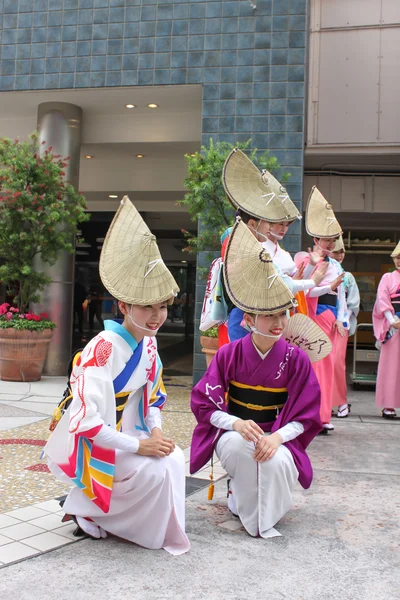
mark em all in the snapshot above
pixel 388 381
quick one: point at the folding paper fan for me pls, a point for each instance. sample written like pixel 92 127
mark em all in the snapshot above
pixel 301 331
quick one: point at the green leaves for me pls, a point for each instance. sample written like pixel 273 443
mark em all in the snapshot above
pixel 39 214
pixel 206 200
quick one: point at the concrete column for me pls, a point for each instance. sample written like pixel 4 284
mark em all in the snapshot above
pixel 59 125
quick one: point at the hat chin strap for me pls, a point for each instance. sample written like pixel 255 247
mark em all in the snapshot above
pixel 258 232
pixel 275 235
pixel 328 252
pixel 140 326
pixel 255 330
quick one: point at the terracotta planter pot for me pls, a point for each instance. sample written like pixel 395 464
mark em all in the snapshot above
pixel 22 354
pixel 209 347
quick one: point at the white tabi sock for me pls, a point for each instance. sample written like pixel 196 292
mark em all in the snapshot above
pixel 91 528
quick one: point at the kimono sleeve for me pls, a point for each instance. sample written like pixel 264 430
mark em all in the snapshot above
pixel 209 394
pixel 304 401
pixel 207 397
pixel 93 403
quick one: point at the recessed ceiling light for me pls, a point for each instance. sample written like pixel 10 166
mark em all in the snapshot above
pixel 152 105
pixel 112 196
pixel 88 156
pixel 130 105
pixel 184 262
pixel 139 155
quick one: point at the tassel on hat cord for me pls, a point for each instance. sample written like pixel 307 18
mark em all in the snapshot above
pixel 211 486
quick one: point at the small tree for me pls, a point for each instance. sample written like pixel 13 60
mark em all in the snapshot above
pixel 39 215
pixel 206 199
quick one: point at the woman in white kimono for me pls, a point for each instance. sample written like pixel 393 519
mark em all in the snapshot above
pixel 129 478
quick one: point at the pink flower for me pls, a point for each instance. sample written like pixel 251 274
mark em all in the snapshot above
pixel 29 316
pixel 14 310
pixel 21 316
pixel 44 315
pixel 35 317
pixel 9 316
pixel 4 308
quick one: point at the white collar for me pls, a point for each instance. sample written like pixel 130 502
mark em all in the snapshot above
pixel 261 355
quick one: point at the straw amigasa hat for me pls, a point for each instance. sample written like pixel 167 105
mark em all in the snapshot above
pixel 251 279
pixel 257 194
pixel 339 245
pixel 320 218
pixel 396 251
pixel 131 267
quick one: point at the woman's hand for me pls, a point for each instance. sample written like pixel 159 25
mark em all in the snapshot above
pixel 249 430
pixel 396 325
pixel 267 446
pixel 314 257
pixel 156 445
pixel 336 282
pixel 300 272
pixel 339 326
pixel 319 273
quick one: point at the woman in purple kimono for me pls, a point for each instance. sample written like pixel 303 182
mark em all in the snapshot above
pixel 258 403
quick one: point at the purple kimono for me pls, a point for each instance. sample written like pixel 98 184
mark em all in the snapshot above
pixel 286 366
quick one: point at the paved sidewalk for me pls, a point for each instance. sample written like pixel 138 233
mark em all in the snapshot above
pixel 340 541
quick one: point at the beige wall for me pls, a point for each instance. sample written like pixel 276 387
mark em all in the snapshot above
pixel 354 74
pixel 361 194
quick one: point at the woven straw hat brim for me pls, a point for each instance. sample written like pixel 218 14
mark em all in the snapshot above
pixel 131 267
pixel 251 279
pixel 257 194
pixel 396 251
pixel 339 245
pixel 304 333
pixel 320 218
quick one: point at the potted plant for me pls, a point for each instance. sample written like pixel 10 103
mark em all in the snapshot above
pixel 39 215
pixel 209 343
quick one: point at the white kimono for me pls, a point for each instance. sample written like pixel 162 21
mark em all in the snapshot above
pixel 138 498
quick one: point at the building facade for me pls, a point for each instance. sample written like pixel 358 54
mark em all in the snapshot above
pixel 247 61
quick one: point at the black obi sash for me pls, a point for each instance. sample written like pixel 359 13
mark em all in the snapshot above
pixel 327 299
pixel 396 303
pixel 255 402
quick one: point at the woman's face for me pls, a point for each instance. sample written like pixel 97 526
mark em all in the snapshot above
pixel 396 261
pixel 325 244
pixel 268 324
pixel 145 320
pixel 339 256
pixel 277 231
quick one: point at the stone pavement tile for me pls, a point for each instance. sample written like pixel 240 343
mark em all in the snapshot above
pixel 67 531
pixel 15 551
pixel 232 525
pixel 5 540
pixel 21 531
pixel 15 409
pixel 49 386
pixel 27 514
pixel 47 541
pixel 13 422
pixel 41 399
pixel 6 521
pixel 52 506
pixel 44 408
pixel 47 522
pixel 19 388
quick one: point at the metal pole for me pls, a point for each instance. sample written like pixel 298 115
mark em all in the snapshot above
pixel 59 125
